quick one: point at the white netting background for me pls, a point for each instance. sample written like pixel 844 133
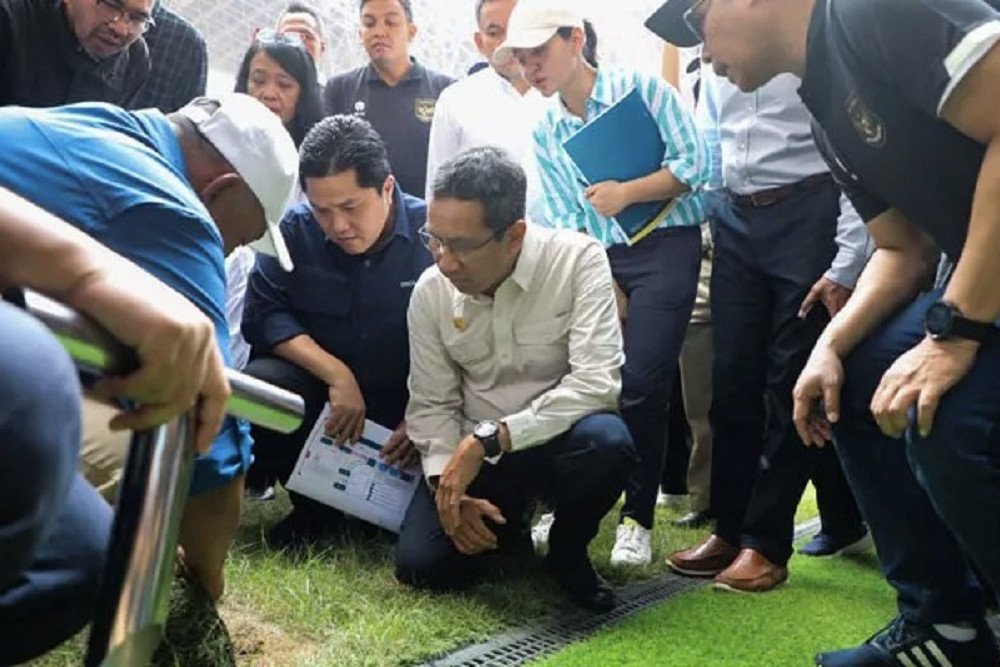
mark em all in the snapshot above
pixel 444 41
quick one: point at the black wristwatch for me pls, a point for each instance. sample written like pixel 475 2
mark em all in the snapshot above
pixel 488 433
pixel 944 321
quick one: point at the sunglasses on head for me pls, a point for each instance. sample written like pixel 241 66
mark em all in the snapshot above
pixel 271 36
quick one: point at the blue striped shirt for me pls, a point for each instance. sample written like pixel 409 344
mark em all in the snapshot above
pixel 686 156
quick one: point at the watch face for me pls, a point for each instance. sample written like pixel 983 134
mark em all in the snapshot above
pixel 485 430
pixel 938 320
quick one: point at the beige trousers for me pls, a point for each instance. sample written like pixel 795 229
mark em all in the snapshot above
pixel 696 381
pixel 103 451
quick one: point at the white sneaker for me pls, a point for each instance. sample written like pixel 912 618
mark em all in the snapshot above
pixel 671 500
pixel 540 531
pixel 633 544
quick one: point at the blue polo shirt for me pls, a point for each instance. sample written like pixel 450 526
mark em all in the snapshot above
pixel 353 306
pixel 120 177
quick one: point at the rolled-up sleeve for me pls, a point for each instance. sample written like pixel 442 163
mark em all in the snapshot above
pixel 433 413
pixel 595 359
pixel 685 155
pixel 854 246
pixel 267 316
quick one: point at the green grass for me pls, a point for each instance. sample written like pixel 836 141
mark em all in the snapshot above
pixel 340 605
pixel 826 604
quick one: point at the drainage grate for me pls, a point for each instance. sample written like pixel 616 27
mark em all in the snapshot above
pixel 551 633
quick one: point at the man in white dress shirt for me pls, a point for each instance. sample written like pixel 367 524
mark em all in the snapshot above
pixel 515 357
pixel 493 107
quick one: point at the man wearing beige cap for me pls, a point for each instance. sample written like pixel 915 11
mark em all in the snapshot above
pixel 174 194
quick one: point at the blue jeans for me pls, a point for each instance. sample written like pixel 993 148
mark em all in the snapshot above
pixel 54 528
pixel 931 502
pixel 580 474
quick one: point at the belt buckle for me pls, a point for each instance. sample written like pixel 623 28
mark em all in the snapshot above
pixel 763 199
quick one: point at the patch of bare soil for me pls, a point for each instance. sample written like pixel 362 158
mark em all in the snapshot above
pixel 259 643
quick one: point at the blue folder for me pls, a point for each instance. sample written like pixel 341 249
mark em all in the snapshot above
pixel 621 144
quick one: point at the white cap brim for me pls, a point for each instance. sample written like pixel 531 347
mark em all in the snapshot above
pixel 272 243
pixel 524 39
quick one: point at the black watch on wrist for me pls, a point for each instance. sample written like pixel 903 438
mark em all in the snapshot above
pixel 944 321
pixel 488 433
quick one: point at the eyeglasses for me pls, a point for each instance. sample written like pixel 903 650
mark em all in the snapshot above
pixel 271 36
pixel 458 247
pixel 694 19
pixel 115 11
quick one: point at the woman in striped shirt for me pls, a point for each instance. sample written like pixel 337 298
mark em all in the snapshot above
pixel 658 273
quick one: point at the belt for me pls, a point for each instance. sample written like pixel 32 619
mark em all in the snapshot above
pixel 771 196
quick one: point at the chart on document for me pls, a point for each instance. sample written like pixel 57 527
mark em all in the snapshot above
pixel 352 478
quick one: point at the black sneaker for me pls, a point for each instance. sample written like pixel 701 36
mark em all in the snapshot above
pixel 903 643
pixel 582 584
pixel 823 545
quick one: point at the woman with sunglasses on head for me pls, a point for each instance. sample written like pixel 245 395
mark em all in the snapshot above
pixel 656 272
pixel 278 70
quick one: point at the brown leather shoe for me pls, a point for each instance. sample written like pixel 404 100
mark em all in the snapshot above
pixel 705 560
pixel 751 572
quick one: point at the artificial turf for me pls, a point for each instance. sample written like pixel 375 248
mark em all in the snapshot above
pixel 826 604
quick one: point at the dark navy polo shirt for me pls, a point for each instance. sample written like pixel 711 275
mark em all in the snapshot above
pixel 353 306
pixel 877 74
pixel 401 114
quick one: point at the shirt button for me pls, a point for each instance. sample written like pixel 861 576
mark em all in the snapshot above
pixel 368 263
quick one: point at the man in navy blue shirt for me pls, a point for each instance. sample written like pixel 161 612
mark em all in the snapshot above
pixel 393 91
pixel 334 329
pixel 905 95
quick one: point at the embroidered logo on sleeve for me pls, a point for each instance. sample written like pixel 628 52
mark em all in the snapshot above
pixel 869 126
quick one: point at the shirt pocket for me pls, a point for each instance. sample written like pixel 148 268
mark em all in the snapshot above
pixel 468 351
pixel 319 292
pixel 543 345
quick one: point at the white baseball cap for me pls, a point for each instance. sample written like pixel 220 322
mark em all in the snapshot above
pixel 534 22
pixel 253 140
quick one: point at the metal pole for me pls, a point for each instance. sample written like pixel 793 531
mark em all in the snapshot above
pixel 134 599
pixel 96 352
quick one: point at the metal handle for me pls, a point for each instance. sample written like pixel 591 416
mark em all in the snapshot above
pixel 95 351
pixel 134 599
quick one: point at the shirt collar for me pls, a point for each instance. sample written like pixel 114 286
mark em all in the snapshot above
pixel 527 261
pixel 600 97
pixel 416 72
pixel 401 226
pixel 815 79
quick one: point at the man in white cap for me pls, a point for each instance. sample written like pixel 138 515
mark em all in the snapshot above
pixel 174 194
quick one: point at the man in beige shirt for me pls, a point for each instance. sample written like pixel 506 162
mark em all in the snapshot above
pixel 515 356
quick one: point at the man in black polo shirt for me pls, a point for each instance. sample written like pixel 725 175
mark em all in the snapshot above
pixel 906 96
pixel 55 52
pixel 394 92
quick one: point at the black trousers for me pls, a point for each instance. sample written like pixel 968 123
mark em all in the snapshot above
pixel 766 260
pixel 659 275
pixel 580 475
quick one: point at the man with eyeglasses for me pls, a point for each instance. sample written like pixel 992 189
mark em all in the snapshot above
pixel 905 98
pixel 788 250
pixel 334 330
pixel 56 52
pixel 515 358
